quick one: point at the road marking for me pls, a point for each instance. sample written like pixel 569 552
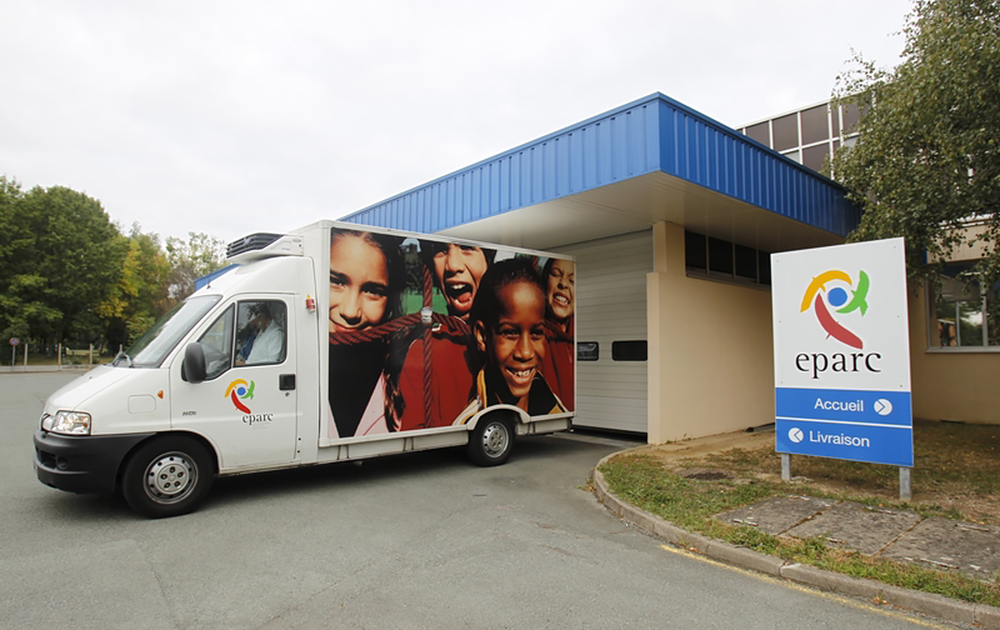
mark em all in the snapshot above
pixel 854 603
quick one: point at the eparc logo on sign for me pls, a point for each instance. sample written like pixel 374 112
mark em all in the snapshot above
pixel 852 298
pixel 240 390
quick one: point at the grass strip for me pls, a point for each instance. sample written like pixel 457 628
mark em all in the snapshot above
pixel 644 482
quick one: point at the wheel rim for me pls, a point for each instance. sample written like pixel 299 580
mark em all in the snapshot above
pixel 496 439
pixel 170 477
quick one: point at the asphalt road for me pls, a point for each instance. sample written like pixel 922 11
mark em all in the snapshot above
pixel 414 541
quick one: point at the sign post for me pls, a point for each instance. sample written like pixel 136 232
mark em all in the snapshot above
pixel 13 351
pixel 841 355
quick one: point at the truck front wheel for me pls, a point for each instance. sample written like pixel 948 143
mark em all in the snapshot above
pixel 492 441
pixel 167 476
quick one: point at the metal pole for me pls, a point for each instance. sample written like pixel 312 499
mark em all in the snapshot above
pixel 905 490
pixel 786 467
pixel 25 354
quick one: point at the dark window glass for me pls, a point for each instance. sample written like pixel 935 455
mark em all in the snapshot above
pixel 961 320
pixel 260 332
pixel 851 117
pixel 720 256
pixel 764 266
pixel 746 262
pixel 629 351
pixel 588 351
pixel 760 133
pixel 786 132
pixel 727 258
pixel 814 125
pixel 835 122
pixel 813 156
pixel 217 343
pixel 695 252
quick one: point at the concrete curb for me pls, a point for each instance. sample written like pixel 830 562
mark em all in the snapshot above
pixel 916 601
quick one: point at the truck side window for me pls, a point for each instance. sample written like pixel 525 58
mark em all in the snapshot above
pixel 260 332
pixel 218 345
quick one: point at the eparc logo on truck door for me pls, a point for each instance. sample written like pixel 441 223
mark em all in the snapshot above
pixel 240 390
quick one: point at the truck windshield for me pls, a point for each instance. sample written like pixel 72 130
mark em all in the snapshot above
pixel 157 342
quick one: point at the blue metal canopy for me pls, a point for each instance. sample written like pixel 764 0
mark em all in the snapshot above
pixel 647 139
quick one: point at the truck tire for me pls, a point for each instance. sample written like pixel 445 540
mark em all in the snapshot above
pixel 492 441
pixel 168 476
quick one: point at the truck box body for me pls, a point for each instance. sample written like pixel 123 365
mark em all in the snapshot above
pixel 416 342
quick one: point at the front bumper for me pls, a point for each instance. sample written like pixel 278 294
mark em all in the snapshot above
pixel 85 463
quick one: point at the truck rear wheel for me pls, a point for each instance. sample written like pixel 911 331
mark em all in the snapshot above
pixel 167 476
pixel 492 441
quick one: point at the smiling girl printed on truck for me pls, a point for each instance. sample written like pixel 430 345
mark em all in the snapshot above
pixel 367 277
pixel 508 322
pixel 558 365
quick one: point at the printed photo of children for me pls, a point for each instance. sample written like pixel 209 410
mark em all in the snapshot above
pixel 367 278
pixel 457 271
pixel 419 328
pixel 558 366
pixel 437 372
pixel 508 323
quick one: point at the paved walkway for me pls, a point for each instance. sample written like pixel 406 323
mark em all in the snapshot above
pixel 935 542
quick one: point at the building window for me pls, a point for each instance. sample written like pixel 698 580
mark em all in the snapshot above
pixel 760 132
pixel 786 132
pixel 812 157
pixel 964 312
pixel 810 135
pixel 815 124
pixel 709 257
pixel 588 351
pixel 851 117
pixel 695 251
pixel 745 262
pixel 629 351
pixel 720 256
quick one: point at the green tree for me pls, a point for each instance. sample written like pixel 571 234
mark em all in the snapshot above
pixel 20 305
pixel 59 256
pixel 928 157
pixel 189 260
pixel 140 296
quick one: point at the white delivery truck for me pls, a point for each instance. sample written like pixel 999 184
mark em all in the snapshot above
pixel 418 342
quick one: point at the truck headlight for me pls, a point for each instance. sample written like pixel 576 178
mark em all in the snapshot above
pixel 67 422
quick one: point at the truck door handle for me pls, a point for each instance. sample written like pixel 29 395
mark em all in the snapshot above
pixel 286 382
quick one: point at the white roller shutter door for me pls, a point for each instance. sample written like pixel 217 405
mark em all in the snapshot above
pixel 610 307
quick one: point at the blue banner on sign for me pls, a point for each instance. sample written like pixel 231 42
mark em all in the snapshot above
pixel 846 405
pixel 891 445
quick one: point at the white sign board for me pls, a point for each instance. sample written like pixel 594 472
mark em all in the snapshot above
pixel 841 353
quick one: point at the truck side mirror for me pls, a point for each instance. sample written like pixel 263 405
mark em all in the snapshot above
pixel 193 370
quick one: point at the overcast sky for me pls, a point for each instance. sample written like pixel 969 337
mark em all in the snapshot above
pixel 245 116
